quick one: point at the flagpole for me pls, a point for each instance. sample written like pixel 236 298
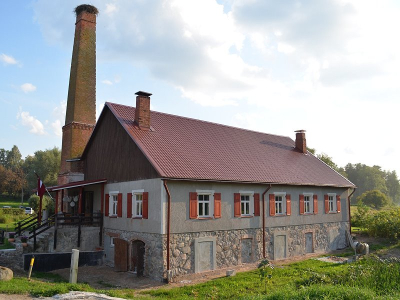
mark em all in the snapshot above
pixel 44 187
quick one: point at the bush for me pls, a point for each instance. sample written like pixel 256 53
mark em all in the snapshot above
pixel 47 203
pixel 384 224
pixel 360 217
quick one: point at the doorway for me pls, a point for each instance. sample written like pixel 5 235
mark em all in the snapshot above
pixel 137 257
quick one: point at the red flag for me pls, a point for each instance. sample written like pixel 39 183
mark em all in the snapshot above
pixel 41 188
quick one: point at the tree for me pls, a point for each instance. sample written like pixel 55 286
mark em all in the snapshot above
pixel 46 164
pixel 366 178
pixel 393 186
pixel 374 198
pixel 14 159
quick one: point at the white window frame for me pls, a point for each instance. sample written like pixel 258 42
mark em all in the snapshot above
pixel 249 194
pixel 112 241
pixel 310 203
pixel 332 202
pixel 136 213
pixel 113 203
pixel 210 202
pixel 283 195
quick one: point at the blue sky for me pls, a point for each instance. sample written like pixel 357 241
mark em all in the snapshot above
pixel 329 67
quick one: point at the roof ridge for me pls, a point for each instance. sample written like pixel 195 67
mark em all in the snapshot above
pixel 204 121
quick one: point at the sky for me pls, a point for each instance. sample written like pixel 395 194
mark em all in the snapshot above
pixel 330 67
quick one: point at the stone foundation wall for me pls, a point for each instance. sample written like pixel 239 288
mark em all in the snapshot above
pixel 155 251
pixel 232 247
pixel 235 247
pixel 67 239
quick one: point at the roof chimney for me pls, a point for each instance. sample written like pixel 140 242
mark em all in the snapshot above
pixel 301 144
pixel 142 113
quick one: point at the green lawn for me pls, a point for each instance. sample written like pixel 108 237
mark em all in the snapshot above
pixel 310 279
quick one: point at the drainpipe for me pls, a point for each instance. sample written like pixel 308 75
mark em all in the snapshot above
pixel 263 218
pixel 349 207
pixel 168 223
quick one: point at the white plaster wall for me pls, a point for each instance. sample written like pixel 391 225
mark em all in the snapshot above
pixel 180 221
pixel 155 218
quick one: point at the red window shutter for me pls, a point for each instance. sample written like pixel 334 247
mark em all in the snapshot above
pixel 129 205
pixel 107 205
pixel 271 204
pixel 193 205
pixel 326 200
pixel 119 205
pixel 145 212
pixel 288 205
pixel 338 204
pixel 315 198
pixel 217 205
pixel 236 200
pixel 257 205
pixel 301 204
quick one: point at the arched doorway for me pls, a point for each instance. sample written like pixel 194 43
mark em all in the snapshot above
pixel 137 257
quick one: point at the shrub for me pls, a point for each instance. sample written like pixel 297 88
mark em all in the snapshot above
pixel 384 223
pixel 360 217
pixel 47 203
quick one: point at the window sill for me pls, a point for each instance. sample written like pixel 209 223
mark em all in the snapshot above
pixel 281 215
pixel 205 218
pixel 245 216
pixel 113 217
pixel 333 212
pixel 137 218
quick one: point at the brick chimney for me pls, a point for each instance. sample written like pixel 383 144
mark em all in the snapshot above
pixel 80 118
pixel 301 144
pixel 142 113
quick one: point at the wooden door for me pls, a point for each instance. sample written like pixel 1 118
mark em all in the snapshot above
pixel 120 255
pixel 137 257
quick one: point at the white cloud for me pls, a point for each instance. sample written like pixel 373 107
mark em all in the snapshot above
pixel 110 8
pixel 36 127
pixel 28 87
pixel 58 114
pixel 8 60
pixel 107 82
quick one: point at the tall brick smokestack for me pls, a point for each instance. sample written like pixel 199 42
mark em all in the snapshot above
pixel 81 106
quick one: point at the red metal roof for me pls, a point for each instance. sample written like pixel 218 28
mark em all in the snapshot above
pixel 184 148
pixel 75 184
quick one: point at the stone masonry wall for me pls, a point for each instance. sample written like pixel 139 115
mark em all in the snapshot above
pixel 232 247
pixel 155 251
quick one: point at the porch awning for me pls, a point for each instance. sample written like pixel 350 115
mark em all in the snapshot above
pixel 75 184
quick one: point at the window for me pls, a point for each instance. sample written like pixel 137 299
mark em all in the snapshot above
pixel 308 203
pixel 245 205
pixel 137 203
pixel 279 204
pixel 331 199
pixel 111 241
pixel 113 203
pixel 203 205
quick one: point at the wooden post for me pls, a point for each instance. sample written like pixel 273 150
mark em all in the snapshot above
pixel 56 205
pixel 62 200
pixel 73 272
pixel 55 232
pixel 79 230
pixel 80 201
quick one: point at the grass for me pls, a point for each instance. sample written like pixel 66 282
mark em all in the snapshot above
pixel 6 245
pixel 369 278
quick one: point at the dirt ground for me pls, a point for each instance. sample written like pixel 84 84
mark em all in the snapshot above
pixel 104 277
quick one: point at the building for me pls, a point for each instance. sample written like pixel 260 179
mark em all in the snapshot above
pixel 177 195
